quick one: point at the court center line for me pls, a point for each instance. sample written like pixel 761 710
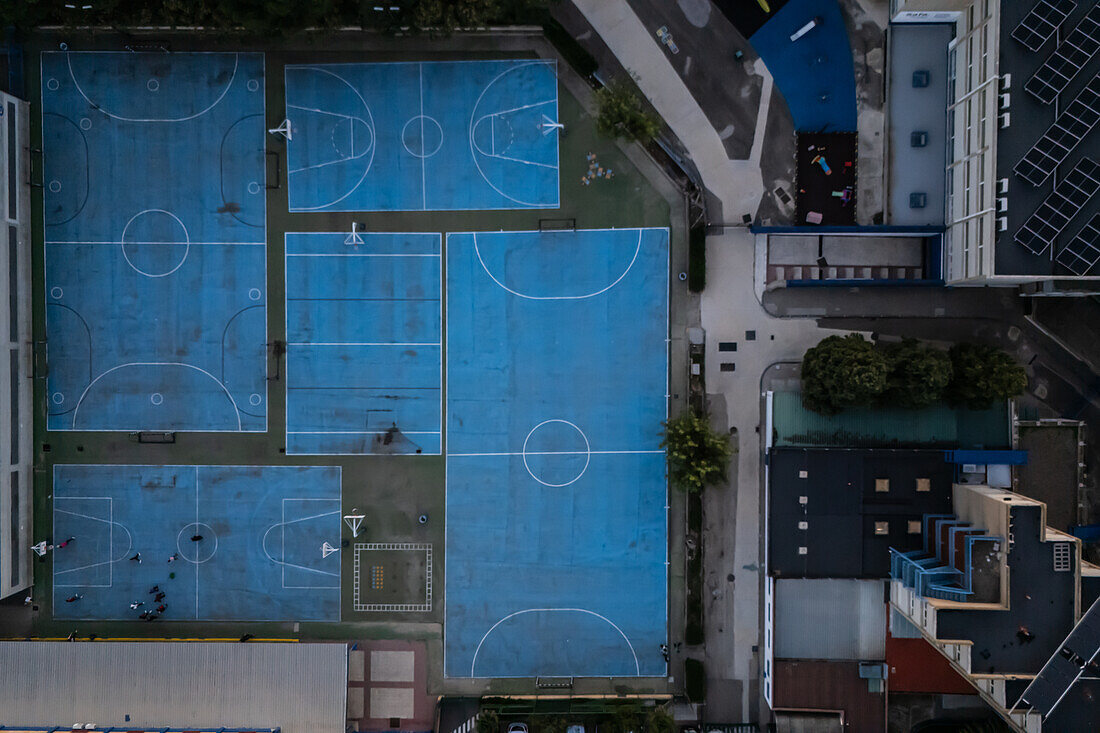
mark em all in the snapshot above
pixel 360 343
pixel 372 254
pixel 560 453
pixel 423 147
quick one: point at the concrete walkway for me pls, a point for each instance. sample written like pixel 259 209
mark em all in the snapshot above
pixel 730 311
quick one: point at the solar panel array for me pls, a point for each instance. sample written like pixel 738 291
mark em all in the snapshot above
pixel 1071 55
pixel 1082 254
pixel 1068 664
pixel 1060 206
pixel 1078 119
pixel 1041 23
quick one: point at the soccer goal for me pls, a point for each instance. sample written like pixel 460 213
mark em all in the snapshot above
pixel 354 238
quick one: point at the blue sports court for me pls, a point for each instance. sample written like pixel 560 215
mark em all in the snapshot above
pixel 364 344
pixel 155 216
pixel 556 494
pixel 425 136
pixel 269 549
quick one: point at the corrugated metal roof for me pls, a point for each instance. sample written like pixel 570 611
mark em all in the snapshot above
pixel 938 426
pixel 830 619
pixel 300 688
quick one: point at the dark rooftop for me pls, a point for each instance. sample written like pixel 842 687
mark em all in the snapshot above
pixel 1041 600
pixel 830 686
pixel 1038 99
pixel 1051 474
pixel 852 518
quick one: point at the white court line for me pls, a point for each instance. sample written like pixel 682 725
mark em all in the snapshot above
pixel 473 662
pixel 477 252
pixel 560 453
pixel 227 244
pixel 474 149
pixel 360 343
pixel 423 147
pixel 109 562
pixel 370 124
pixel 236 63
pixel 325 112
pixel 359 432
pixel 232 401
pixel 373 254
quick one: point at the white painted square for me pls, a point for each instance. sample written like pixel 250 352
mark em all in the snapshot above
pixel 355 702
pixel 392 666
pixel 391 702
pixel 356 662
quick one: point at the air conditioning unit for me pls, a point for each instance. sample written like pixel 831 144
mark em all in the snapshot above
pixel 1002 185
pixel 1006 82
pixel 1002 204
pixel 1002 223
pixel 1006 120
pixel 1006 100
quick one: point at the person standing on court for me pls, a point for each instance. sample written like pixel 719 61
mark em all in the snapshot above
pixel 196 538
pixel 73 599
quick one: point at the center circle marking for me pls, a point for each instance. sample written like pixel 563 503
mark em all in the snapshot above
pixel 587 453
pixel 56 292
pixel 53 85
pixel 254 294
pixel 55 186
pixel 415 133
pixel 252 85
pixel 85 123
pixel 58 398
pixel 254 399
pixel 186 242
pixel 156 398
pixel 195 552
pixel 253 188
pixel 152 85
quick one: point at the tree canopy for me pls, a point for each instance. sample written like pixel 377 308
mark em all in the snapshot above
pixel 622 113
pixel 697 455
pixel 842 371
pixel 983 375
pixel 918 375
pixel 850 371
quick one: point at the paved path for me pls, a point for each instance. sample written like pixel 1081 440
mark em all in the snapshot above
pixel 730 308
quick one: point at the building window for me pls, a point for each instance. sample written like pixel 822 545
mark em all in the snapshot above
pixel 1061 557
pixel 882 485
pixel 914 526
pixel 924 484
pixel 803 474
pixel 882 528
pixel 803 525
pixel 802 550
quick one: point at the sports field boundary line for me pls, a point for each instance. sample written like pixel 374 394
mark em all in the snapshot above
pixel 110 561
pixel 120 243
pixel 364 343
pixel 558 453
pixel 98 108
pixel 473 661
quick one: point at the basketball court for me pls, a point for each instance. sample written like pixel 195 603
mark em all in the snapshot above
pixel 154 209
pixel 556 495
pixel 269 547
pixel 364 343
pixel 428 136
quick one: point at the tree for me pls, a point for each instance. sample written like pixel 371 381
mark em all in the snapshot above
pixel 697 455
pixel 983 375
pixel 659 721
pixel 488 722
pixel 842 371
pixel 621 113
pixel 918 375
pixel 627 718
pixel 446 16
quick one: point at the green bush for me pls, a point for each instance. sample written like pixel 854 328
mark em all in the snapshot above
pixel 697 455
pixel 488 722
pixel 659 721
pixel 695 680
pixel 622 113
pixel 697 258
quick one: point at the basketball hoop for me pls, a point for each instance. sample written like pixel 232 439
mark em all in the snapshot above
pixel 283 129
